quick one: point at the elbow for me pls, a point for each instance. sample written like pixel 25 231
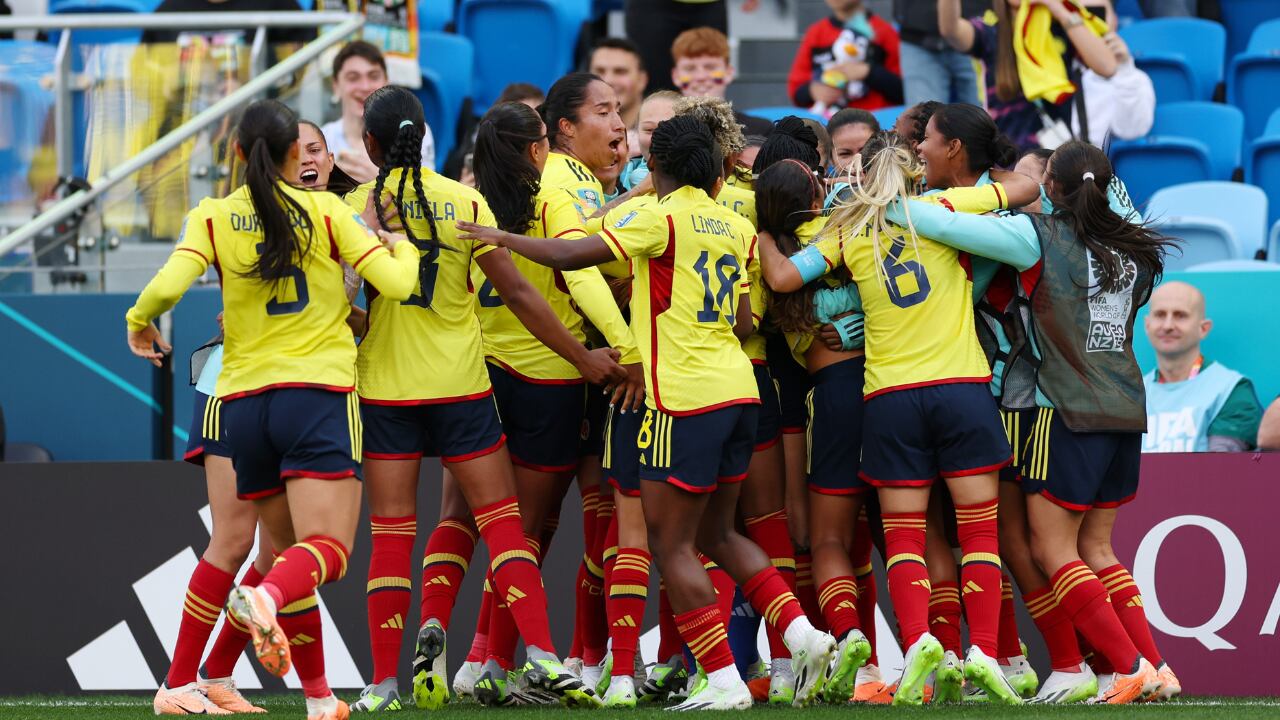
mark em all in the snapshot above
pixel 1105 65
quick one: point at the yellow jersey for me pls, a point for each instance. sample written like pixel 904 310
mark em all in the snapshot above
pixel 689 255
pixel 569 193
pixel 291 333
pixel 742 200
pixel 918 299
pixel 739 199
pixel 805 234
pixel 428 349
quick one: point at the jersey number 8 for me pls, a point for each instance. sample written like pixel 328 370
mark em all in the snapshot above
pixel 727 273
pixel 894 269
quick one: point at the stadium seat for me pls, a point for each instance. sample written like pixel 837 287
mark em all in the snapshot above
pixel 774 113
pixel 1200 240
pixel 1183 56
pixel 1253 77
pixel 548 30
pixel 1273 243
pixel 1219 127
pixel 1235 266
pixel 26 452
pixel 1151 163
pixel 1241 208
pixel 446 62
pixel 1242 17
pixel 888 116
pixel 1262 164
pixel 435 16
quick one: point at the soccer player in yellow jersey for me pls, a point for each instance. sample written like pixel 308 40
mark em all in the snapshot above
pixel 691 306
pixel 288 373
pixel 928 412
pixel 424 391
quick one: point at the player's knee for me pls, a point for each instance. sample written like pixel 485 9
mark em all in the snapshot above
pixel 1097 553
pixel 229 550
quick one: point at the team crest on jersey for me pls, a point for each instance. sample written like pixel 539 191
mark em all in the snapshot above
pixel 625 219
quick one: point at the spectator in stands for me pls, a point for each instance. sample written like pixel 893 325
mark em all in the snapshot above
pixel 274 36
pixel 653 25
pixel 849 59
pixel 526 93
pixel 931 69
pixel 617 61
pixel 1168 8
pixel 702 69
pixel 1269 430
pixel 1015 115
pixel 358 70
pixel 1121 106
pixel 849 130
pixel 1193 404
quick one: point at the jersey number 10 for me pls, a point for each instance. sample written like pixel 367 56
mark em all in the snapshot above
pixel 727 273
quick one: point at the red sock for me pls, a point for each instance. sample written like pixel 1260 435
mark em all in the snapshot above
pixel 593 614
pixel 444 565
pixel 839 600
pixel 388 591
pixel 609 550
pixel 704 632
pixel 301 624
pixel 806 592
pixel 627 595
pixel 944 615
pixel 480 643
pixel 669 641
pixel 230 643
pixel 517 578
pixel 206 594
pixel 299 570
pixel 980 573
pixel 1009 642
pixel 1126 600
pixel 1055 627
pixel 908 576
pixel 503 633
pixel 771 534
pixel 723 584
pixel 1096 661
pixel 769 595
pixel 590 502
pixel 860 556
pixel 1084 599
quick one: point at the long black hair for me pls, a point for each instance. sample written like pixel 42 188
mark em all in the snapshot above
pixel 791 138
pixel 505 175
pixel 985 145
pixel 268 129
pixel 785 195
pixel 1082 203
pixel 684 150
pixel 393 116
pixel 564 100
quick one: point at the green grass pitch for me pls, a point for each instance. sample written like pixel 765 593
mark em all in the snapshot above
pixel 137 707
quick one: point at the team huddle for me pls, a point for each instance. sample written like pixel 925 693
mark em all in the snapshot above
pixel 756 369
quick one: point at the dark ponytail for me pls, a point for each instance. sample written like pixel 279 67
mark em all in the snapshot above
pixel 564 100
pixel 791 139
pixel 393 116
pixel 684 150
pixel 505 174
pixel 1082 203
pixel 268 129
pixel 785 194
pixel 985 145
pixel 917 118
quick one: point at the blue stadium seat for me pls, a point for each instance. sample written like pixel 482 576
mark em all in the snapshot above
pixel 1200 240
pixel 1273 243
pixel 1220 127
pixel 775 113
pixel 888 116
pixel 434 15
pixel 548 32
pixel 1241 17
pixel 1241 208
pixel 1262 164
pixel 1189 142
pixel 1183 56
pixel 27 104
pixel 447 63
pixel 1253 77
pixel 1235 266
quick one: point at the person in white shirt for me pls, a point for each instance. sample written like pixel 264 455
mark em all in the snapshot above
pixel 1122 106
pixel 358 70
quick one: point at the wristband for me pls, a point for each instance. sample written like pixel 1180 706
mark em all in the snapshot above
pixel 830 302
pixel 850 329
pixel 810 263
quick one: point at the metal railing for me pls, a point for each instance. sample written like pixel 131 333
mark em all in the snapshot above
pixel 344 25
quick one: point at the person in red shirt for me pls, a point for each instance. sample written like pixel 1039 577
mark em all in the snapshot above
pixel 849 59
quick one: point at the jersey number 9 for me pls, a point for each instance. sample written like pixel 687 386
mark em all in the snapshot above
pixel 277 307
pixel 894 269
pixel 727 273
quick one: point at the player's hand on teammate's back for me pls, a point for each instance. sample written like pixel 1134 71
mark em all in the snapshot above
pixel 628 395
pixel 144 342
pixel 483 233
pixel 390 213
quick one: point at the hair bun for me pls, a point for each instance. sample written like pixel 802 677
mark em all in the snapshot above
pixel 793 126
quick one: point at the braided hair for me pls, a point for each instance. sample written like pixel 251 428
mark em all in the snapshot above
pixel 684 150
pixel 791 138
pixel 393 116
pixel 268 129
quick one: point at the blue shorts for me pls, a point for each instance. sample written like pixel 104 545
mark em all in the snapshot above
pixel 207 435
pixel 769 425
pixel 698 452
pixel 621 460
pixel 1017 429
pixel 912 436
pixel 452 431
pixel 834 437
pixel 1079 470
pixel 793 384
pixel 292 432
pixel 594 418
pixel 543 421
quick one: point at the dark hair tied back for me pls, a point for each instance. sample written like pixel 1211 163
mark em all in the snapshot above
pixel 986 146
pixel 505 174
pixel 791 138
pixel 564 100
pixel 268 129
pixel 393 116
pixel 684 150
